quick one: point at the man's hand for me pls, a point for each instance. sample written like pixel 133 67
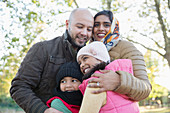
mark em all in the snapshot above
pixel 108 81
pixel 52 110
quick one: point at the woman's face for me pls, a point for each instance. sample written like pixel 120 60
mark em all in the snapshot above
pixel 87 63
pixel 101 27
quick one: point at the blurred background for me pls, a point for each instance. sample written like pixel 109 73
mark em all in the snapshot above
pixel 146 23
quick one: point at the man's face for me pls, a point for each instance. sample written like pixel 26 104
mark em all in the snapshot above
pixel 80 27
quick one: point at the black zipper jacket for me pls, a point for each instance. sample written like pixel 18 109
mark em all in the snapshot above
pixel 35 80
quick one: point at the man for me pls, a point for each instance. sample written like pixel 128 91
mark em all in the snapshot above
pixel 35 80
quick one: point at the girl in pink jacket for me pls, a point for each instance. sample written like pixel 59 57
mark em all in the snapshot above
pixel 95 57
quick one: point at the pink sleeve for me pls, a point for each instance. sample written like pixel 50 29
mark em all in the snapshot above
pixel 116 65
pixel 121 65
pixel 84 84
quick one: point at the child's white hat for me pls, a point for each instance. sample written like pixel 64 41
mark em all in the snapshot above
pixel 96 49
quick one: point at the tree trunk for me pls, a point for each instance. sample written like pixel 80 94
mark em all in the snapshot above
pixel 167 56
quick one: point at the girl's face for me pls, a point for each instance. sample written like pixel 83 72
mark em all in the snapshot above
pixel 69 84
pixel 87 63
pixel 101 27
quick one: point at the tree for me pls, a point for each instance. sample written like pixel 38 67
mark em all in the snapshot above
pixel 158 91
pixel 153 69
pixel 157 29
pixel 154 14
pixel 28 21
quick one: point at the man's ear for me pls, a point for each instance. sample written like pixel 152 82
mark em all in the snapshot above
pixel 67 23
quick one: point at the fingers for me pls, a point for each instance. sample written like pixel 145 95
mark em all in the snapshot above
pixel 94 80
pixel 98 91
pixel 104 71
pixel 100 74
pixel 96 75
pixel 95 85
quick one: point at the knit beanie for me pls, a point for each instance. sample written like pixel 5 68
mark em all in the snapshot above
pixel 95 49
pixel 69 69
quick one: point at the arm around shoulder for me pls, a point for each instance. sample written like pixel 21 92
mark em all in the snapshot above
pixel 136 86
pixel 133 87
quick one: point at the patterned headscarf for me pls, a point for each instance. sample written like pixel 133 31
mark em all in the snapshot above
pixel 113 36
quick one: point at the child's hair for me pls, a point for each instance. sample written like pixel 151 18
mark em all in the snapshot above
pixel 69 69
pixel 99 66
pixel 95 49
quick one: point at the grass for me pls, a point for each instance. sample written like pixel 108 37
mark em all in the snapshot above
pixel 142 110
pixel 10 110
pixel 155 110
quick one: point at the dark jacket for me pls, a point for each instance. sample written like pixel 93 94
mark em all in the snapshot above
pixel 34 83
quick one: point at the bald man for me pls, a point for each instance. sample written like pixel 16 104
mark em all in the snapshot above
pixel 35 80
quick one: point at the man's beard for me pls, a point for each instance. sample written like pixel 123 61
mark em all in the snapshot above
pixel 73 42
pixel 77 45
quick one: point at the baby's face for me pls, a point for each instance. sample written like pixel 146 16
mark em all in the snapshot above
pixel 69 84
pixel 87 63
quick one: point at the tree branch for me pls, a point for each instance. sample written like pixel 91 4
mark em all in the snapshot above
pixel 150 38
pixel 147 47
pixel 109 4
pixel 76 3
pixel 94 9
pixel 4 0
pixel 157 5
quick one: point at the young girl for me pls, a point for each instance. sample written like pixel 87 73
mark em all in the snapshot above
pixel 91 58
pixel 67 94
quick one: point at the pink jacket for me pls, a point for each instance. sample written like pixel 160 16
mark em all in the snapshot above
pixel 116 103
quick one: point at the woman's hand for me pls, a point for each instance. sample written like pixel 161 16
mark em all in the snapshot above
pixel 107 81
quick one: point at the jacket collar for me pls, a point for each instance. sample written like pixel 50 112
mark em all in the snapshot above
pixel 68 37
pixel 68 45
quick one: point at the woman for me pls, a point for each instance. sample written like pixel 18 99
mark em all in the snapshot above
pixel 106 29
